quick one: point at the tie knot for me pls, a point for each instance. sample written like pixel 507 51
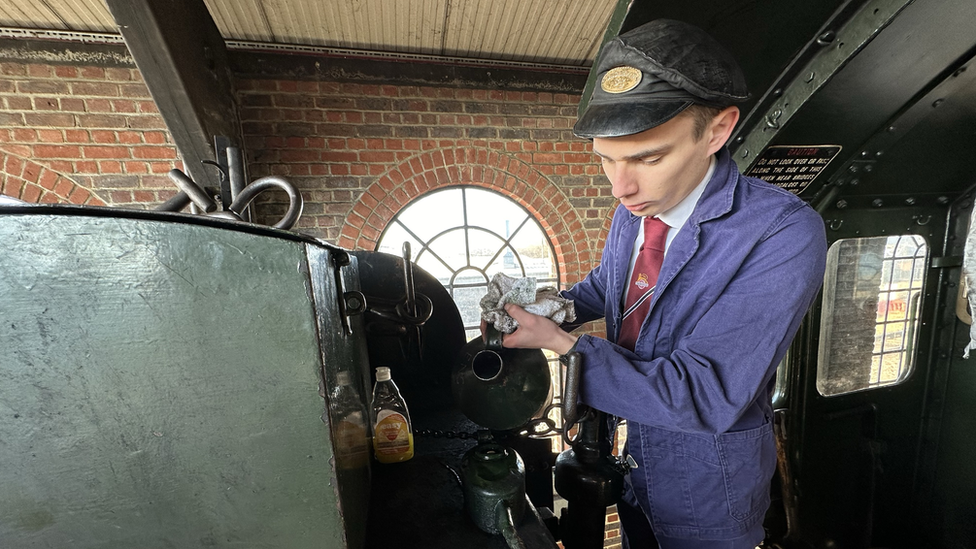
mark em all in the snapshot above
pixel 655 233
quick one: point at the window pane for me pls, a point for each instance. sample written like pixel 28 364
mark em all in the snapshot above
pixel 510 263
pixel 433 213
pixel 494 212
pixel 394 238
pixel 484 246
pixel 532 246
pixel 872 293
pixel 449 248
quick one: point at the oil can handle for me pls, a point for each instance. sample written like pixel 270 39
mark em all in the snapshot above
pixel 493 338
pixel 574 363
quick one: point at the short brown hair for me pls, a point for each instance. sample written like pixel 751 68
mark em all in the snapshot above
pixel 702 116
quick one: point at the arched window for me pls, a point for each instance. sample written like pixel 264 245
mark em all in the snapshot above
pixel 463 236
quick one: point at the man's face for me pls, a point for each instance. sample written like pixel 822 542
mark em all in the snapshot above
pixel 652 171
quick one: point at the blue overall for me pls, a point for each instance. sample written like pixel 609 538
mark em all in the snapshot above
pixel 735 284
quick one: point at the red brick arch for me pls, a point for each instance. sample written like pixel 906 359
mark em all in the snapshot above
pixel 480 167
pixel 31 182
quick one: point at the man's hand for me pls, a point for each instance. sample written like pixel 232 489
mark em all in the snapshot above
pixel 536 332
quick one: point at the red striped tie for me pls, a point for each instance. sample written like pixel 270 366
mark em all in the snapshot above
pixel 643 281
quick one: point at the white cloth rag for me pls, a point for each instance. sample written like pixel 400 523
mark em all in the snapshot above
pixel 969 268
pixel 543 301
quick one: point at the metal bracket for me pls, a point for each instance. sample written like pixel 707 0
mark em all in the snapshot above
pixel 350 303
pixel 946 262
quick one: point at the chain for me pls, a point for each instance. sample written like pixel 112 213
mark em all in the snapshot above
pixel 539 427
pixel 436 433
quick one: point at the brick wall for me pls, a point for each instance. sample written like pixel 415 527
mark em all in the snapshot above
pixel 359 153
pixel 93 128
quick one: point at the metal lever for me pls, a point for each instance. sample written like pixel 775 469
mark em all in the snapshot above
pixel 410 302
pixel 193 191
pixel 571 391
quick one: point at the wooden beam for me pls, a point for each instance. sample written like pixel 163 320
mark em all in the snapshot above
pixel 183 59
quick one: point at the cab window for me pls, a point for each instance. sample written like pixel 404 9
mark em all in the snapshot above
pixel 871 303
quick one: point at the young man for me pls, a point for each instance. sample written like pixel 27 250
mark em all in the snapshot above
pixel 693 338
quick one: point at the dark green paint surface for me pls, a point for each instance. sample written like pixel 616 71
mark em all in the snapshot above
pixel 159 388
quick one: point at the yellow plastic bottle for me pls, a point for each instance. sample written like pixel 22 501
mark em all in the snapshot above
pixel 392 433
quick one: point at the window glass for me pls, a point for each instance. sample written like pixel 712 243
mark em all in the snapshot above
pixel 463 236
pixel 869 325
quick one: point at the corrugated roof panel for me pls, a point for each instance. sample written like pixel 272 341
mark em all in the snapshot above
pixel 240 20
pixel 29 14
pixel 424 30
pixel 570 33
pixel 532 31
pixel 546 31
pixel 85 15
pixel 288 22
pixel 468 20
pixel 346 23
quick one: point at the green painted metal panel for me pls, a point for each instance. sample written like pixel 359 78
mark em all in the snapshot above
pixel 159 387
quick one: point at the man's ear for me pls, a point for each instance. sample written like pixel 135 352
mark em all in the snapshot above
pixel 720 129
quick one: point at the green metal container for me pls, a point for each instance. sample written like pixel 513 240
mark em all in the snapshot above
pixel 160 384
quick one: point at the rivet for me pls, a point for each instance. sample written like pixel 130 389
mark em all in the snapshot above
pixel 910 201
pixel 853 168
pixel 879 153
pixel 745 153
pixel 943 200
pixel 810 77
pixel 877 202
pixel 868 167
pixel 777 92
pixel 937 103
pixel 891 129
pixel 959 71
pixel 841 204
pixel 740 139
pixel 826 38
pixel 855 182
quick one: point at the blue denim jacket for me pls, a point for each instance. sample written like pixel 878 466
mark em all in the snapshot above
pixel 735 284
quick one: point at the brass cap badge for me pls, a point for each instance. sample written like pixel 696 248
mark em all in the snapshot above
pixel 621 79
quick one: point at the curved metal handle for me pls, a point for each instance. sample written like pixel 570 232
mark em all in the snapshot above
pixel 493 338
pixel 295 202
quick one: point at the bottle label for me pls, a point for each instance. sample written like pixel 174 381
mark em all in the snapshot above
pixel 391 435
